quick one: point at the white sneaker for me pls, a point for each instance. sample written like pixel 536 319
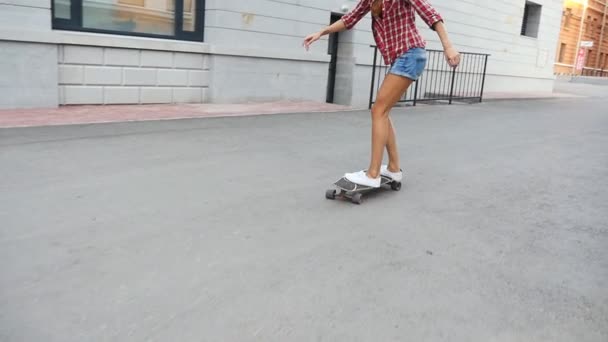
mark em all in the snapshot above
pixel 361 178
pixel 396 176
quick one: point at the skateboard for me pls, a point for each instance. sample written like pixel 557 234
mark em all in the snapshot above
pixel 346 189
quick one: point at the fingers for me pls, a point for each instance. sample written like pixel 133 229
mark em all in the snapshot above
pixel 454 61
pixel 308 41
pixel 457 60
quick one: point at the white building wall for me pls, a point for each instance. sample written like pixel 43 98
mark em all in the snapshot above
pixel 25 15
pixel 517 63
pixel 28 71
pixel 252 52
pixel 494 27
pixel 270 33
pixel 97 75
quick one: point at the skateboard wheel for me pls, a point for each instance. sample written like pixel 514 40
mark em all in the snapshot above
pixel 330 194
pixel 396 186
pixel 357 198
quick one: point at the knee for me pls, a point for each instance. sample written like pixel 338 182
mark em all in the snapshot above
pixel 379 110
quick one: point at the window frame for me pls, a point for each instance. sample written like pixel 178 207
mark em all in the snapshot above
pixel 75 23
pixel 525 25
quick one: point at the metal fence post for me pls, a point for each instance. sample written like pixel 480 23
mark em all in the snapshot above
pixel 483 82
pixel 452 86
pixel 371 89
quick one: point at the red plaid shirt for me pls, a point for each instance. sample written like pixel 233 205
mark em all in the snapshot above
pixel 395 31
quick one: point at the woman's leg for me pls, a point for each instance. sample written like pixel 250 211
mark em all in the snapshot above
pixel 391 148
pixel 383 135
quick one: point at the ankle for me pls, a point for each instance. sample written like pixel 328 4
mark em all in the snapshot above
pixel 393 168
pixel 373 175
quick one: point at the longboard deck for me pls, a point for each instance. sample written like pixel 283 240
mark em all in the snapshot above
pixel 343 188
pixel 348 186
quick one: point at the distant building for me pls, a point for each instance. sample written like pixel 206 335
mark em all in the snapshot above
pixel 583 21
pixel 64 52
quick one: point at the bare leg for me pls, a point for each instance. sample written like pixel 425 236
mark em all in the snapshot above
pixel 390 92
pixel 391 148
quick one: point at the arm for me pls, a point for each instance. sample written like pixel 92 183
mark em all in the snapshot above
pixel 432 18
pixel 338 26
pixel 346 23
pixel 451 55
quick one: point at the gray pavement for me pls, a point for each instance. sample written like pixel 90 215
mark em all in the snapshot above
pixel 218 230
pixel 593 87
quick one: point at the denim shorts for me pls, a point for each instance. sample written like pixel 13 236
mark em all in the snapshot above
pixel 410 64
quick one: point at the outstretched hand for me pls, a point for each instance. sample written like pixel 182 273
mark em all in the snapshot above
pixel 311 39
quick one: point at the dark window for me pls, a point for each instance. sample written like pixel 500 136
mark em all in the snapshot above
pixel 594 26
pixel 531 20
pixel 567 16
pixel 562 53
pixel 175 19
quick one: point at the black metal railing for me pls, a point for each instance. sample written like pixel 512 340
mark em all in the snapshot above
pixel 594 72
pixel 439 82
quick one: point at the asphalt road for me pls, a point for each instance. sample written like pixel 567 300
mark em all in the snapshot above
pixel 218 229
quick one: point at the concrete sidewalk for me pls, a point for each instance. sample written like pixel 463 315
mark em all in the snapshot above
pixel 507 96
pixel 72 115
